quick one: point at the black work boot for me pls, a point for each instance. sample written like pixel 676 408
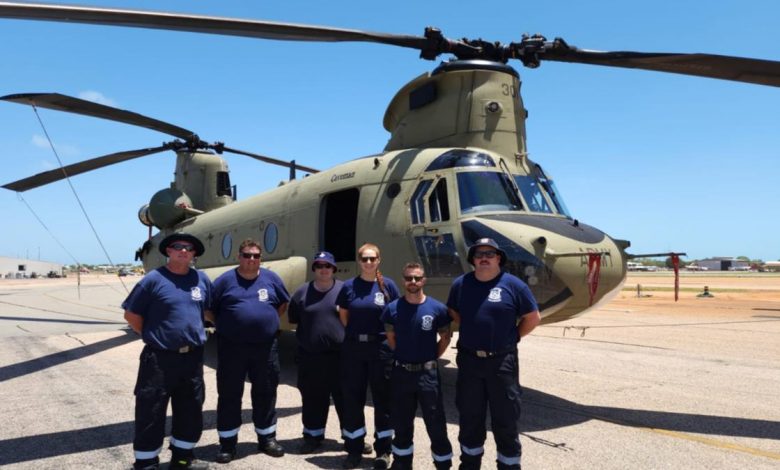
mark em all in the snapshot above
pixel 352 461
pixel 147 464
pixel 310 444
pixel 182 459
pixel 401 463
pixel 270 446
pixel 227 449
pixel 382 462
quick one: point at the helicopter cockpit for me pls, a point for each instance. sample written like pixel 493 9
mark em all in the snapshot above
pixel 487 190
pixel 441 223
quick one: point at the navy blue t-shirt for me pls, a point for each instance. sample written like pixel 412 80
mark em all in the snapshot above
pixel 246 310
pixel 415 327
pixel 319 328
pixel 489 311
pixel 365 303
pixel 172 307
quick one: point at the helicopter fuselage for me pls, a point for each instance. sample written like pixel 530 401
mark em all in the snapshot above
pixel 455 169
pixel 423 205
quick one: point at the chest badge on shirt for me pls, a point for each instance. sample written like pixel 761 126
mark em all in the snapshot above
pixel 427 323
pixel 196 294
pixel 379 298
pixel 495 295
pixel 262 295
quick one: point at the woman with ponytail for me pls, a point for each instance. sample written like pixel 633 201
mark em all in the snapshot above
pixel 366 359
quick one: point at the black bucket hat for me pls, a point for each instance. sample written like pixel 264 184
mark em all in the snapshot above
pixel 486 242
pixel 182 237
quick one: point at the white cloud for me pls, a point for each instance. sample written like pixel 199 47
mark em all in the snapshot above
pixel 97 97
pixel 64 150
pixel 40 141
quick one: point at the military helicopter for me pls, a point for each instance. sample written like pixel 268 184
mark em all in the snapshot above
pixel 455 169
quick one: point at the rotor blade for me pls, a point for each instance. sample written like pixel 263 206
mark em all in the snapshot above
pixel 200 24
pixel 70 104
pixel 738 69
pixel 81 167
pixel 271 160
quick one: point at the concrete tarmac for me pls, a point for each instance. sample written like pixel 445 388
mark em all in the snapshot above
pixel 622 387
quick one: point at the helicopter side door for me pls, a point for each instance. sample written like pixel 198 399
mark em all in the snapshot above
pixel 433 235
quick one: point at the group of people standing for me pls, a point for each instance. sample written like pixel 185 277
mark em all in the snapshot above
pixel 352 335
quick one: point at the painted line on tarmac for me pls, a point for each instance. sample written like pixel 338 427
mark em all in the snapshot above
pixel 677 434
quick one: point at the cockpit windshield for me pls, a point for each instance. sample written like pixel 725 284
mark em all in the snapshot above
pixel 481 191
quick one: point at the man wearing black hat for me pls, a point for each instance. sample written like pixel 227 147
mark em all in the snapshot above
pixel 320 334
pixel 166 308
pixel 248 302
pixel 494 309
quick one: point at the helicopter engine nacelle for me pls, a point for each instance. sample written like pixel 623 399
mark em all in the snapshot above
pixel 167 208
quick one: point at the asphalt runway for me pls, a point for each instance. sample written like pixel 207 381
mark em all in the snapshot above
pixel 634 384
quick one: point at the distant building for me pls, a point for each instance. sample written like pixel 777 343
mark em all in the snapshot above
pixel 21 268
pixel 724 264
pixel 771 266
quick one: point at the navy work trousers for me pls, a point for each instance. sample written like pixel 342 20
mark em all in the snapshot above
pixel 410 389
pixel 236 361
pixel 165 376
pixel 364 365
pixel 483 382
pixel 318 381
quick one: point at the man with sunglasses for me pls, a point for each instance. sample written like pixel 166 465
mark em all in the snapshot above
pixel 166 308
pixel 320 334
pixel 494 309
pixel 248 302
pixel 413 323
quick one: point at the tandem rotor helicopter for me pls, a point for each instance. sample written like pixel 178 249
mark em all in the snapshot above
pixel 455 168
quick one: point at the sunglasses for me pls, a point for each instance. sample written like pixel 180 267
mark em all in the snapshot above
pixel 250 255
pixel 368 259
pixel 181 246
pixel 321 266
pixel 489 254
pixel 413 278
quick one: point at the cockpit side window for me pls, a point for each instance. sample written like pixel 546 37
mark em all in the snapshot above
pixel 533 194
pixel 481 191
pixel 552 191
pixel 417 203
pixel 438 203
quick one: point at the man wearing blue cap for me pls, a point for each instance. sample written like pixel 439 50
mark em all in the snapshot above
pixel 320 334
pixel 494 309
pixel 166 308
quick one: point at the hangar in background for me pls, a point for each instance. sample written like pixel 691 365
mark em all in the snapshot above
pixel 17 268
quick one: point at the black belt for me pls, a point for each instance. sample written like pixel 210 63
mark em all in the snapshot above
pixel 430 365
pixel 181 350
pixel 365 338
pixel 483 354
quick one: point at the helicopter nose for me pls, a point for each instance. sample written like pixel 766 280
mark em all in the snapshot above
pixel 551 255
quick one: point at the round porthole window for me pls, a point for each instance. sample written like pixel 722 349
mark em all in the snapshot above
pixel 227 245
pixel 393 190
pixel 271 237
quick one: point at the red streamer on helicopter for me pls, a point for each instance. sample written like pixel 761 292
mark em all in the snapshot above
pixel 594 269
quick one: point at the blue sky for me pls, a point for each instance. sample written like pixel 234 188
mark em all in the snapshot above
pixel 669 162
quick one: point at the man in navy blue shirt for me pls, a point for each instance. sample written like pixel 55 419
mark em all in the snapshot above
pixel 248 302
pixel 494 309
pixel 413 323
pixel 166 308
pixel 320 334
